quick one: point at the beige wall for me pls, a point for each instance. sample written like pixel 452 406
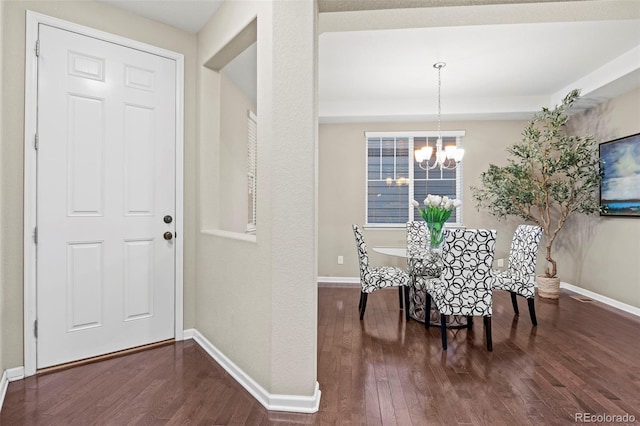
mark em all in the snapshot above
pixel 257 299
pixel 342 188
pixel 602 254
pixel 106 18
pixel 598 254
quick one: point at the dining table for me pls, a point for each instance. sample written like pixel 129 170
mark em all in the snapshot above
pixel 392 251
pixel 417 293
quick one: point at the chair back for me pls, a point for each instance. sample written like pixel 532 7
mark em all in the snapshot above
pixel 363 258
pixel 416 237
pixel 523 253
pixel 468 256
pixel 416 244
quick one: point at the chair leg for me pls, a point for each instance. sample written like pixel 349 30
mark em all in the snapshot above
pixel 487 331
pixel 469 322
pixel 400 296
pixel 360 303
pixel 514 302
pixel 427 310
pixel 532 311
pixel 443 331
pixel 406 302
pixel 364 305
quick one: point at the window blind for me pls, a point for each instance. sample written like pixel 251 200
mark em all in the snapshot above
pixel 252 170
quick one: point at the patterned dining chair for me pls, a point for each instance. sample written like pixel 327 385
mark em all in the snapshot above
pixel 519 278
pixel 465 286
pixel 416 246
pixel 374 278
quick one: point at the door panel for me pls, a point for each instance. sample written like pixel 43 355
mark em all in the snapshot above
pixel 85 161
pixel 138 279
pixel 84 285
pixel 106 178
pixel 139 159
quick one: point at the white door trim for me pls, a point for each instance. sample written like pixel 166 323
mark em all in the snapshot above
pixel 30 169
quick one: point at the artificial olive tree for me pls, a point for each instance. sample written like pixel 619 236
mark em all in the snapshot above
pixel 550 175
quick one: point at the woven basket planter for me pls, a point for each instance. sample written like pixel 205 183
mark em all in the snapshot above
pixel 549 288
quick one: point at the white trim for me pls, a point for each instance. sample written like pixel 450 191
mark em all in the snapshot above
pixel 600 298
pixel 459 185
pixel 347 281
pixel 392 226
pixel 30 200
pixel 366 178
pixel 4 384
pixel 14 374
pixel 9 375
pixel 422 133
pixel 273 402
pixel 178 309
pixel 403 226
pixel 412 176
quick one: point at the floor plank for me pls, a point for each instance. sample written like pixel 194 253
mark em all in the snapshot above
pixel 582 357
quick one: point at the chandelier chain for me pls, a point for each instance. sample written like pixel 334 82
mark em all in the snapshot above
pixel 444 159
pixel 439 102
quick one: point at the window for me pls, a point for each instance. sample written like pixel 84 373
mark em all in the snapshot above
pixel 394 178
pixel 252 171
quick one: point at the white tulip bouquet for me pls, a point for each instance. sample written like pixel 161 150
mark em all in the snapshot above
pixel 435 213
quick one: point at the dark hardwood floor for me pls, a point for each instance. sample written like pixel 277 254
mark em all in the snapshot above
pixel 583 357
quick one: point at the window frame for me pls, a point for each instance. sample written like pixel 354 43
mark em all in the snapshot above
pixel 410 135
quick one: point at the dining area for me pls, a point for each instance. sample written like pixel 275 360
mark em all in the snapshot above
pixel 418 348
pixel 449 277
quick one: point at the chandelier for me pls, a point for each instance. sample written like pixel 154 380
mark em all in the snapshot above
pixel 447 158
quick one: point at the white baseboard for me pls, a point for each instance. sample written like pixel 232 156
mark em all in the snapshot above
pixel 10 375
pixel 600 298
pixel 274 402
pixel 14 374
pixel 4 383
pixel 345 281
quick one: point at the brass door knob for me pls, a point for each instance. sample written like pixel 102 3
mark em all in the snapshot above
pixel 168 235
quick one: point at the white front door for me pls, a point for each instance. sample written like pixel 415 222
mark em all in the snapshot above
pixel 105 185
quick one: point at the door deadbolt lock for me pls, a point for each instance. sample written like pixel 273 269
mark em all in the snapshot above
pixel 168 219
pixel 168 235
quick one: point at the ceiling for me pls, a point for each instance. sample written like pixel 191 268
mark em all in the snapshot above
pixel 377 65
pixel 491 72
pixel 188 15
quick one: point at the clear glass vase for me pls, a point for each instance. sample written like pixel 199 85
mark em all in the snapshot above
pixel 435 240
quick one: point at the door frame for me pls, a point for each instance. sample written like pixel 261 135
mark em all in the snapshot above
pixel 33 19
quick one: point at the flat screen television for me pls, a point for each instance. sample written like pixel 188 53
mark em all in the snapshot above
pixel 620 184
